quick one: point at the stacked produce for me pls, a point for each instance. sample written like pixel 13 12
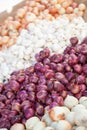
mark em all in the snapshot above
pixel 71 116
pixel 41 9
pixel 31 91
pixel 36 38
pixel 43 77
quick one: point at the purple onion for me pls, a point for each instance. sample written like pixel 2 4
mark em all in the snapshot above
pixel 77 68
pixel 12 113
pixel 15 86
pixel 3 98
pixel 59 76
pixel 78 95
pixel 60 67
pixel 53 104
pixel 80 79
pixel 23 95
pixel 4 123
pixel 67 68
pixel 16 119
pixel 74 40
pixel 29 70
pixel 48 100
pixel 82 87
pixel 1 87
pixel 67 50
pixel 29 112
pixel 64 94
pixel 31 96
pixel 16 106
pixel 75 89
pixel 42 87
pixel 59 100
pixel 84 41
pixel 30 87
pixel 58 86
pixel 69 75
pixel 56 58
pixel 73 59
pixel 82 59
pixel 2 105
pixel 42 95
pixel 21 78
pixel 50 85
pixel 85 69
pixel 53 65
pixel 49 74
pixel 44 53
pixel 42 80
pixel 84 49
pixel 10 94
pixel 46 61
pixel 84 93
pixel 38 66
pixel 26 104
pixel 39 110
pixel 33 79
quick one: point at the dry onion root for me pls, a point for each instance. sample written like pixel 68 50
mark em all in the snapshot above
pixel 33 10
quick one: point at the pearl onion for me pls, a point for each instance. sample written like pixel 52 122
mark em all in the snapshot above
pixel 62 11
pixel 69 10
pixel 82 7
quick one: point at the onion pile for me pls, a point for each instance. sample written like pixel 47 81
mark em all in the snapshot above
pixel 71 116
pixel 31 91
pixel 49 10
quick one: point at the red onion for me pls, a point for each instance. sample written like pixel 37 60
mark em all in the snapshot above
pixel 58 86
pixel 60 67
pixel 15 86
pixel 49 74
pixel 75 89
pixel 82 58
pixel 77 68
pixel 56 58
pixel 80 79
pixel 69 75
pixel 84 49
pixel 16 106
pixel 39 110
pixel 30 87
pixel 29 112
pixel 23 95
pixel 85 69
pixel 73 59
pixel 42 87
pixel 2 105
pixel 41 95
pixel 74 40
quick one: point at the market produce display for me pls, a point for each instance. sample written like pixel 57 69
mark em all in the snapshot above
pixel 67 117
pixel 38 88
pixel 36 38
pixel 33 9
pixel 43 67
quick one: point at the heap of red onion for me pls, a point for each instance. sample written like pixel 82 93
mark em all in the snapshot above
pixel 46 84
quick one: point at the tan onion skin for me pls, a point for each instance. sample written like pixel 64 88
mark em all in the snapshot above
pixel 37 9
